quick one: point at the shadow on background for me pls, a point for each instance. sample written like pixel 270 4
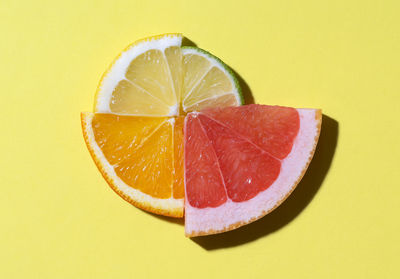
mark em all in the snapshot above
pixel 296 202
pixel 246 91
pixel 178 221
pixel 187 42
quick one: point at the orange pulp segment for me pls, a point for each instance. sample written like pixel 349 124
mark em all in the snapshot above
pixel 142 153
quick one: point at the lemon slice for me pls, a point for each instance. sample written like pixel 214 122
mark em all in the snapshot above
pixel 157 77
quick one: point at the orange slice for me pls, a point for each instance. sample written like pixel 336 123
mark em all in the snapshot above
pixel 141 158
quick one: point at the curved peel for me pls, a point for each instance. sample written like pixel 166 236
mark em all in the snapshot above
pixel 169 207
pixel 231 215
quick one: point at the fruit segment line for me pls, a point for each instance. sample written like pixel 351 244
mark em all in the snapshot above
pixel 146 138
pixel 170 76
pixel 197 83
pixel 242 137
pixel 136 115
pixel 215 154
pixel 211 98
pixel 148 93
pixel 173 153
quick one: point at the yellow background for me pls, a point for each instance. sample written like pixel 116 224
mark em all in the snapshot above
pixel 58 217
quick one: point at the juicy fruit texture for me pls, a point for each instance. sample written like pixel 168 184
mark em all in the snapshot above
pixel 156 77
pixel 136 133
pixel 140 157
pixel 133 145
pixel 178 185
pixel 202 169
pixel 241 162
pixel 271 128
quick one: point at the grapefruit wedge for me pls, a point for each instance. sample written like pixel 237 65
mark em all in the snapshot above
pixel 243 162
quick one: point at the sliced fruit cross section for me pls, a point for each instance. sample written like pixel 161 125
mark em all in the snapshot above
pixel 255 156
pixel 158 77
pixel 140 157
pixel 240 162
pixel 207 82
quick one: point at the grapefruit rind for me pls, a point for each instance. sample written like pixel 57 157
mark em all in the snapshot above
pixel 232 215
pixel 216 62
pixel 167 207
pixel 116 71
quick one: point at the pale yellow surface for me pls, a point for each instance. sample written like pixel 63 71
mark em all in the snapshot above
pixel 59 219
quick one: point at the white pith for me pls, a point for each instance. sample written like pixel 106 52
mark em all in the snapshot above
pixel 231 213
pixel 169 204
pixel 120 66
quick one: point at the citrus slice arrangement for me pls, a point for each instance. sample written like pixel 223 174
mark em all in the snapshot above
pixel 171 135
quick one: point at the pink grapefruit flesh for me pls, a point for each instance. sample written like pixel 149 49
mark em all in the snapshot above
pixel 203 159
pixel 242 162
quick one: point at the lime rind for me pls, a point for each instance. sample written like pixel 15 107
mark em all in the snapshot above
pixel 216 60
